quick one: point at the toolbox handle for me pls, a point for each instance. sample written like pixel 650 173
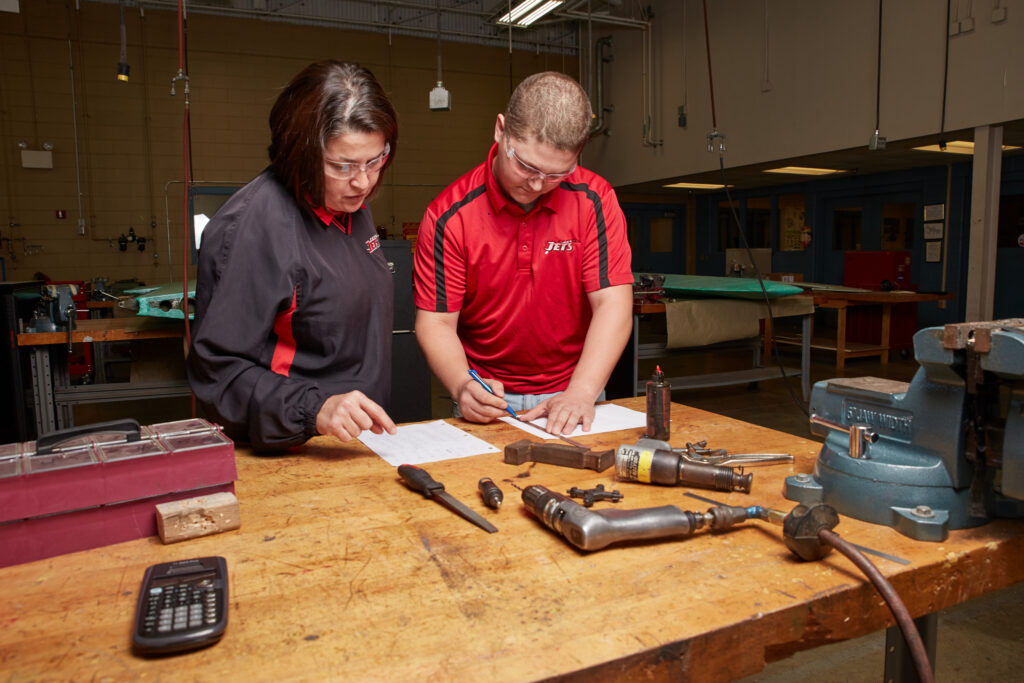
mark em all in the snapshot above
pixel 46 443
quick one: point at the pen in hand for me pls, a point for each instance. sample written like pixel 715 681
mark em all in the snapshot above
pixel 508 408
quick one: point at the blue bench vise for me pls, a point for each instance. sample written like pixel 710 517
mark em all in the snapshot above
pixel 944 451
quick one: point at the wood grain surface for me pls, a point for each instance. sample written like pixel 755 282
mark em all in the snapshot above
pixel 109 329
pixel 340 572
pixel 836 299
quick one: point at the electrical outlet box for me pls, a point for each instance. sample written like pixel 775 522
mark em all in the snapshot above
pixel 876 142
pixel 440 99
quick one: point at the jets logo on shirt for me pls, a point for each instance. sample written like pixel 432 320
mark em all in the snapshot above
pixel 564 245
pixel 372 244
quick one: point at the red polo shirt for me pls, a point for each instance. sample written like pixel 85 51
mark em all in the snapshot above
pixel 520 280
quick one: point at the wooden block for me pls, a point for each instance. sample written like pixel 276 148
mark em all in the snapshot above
pixel 194 517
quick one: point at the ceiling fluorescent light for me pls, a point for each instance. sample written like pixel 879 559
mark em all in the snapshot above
pixel 951 147
pixel 802 170
pixel 696 186
pixel 539 12
pixel 518 11
pixel 957 147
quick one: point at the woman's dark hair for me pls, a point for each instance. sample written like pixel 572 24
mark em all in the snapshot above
pixel 325 100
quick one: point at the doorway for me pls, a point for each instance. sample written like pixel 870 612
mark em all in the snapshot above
pixel 657 237
pixel 1008 302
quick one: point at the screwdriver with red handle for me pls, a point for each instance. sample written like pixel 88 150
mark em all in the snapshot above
pixel 418 480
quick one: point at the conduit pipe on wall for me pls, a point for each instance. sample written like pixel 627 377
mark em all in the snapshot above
pixel 647 87
pixel 74 120
pixel 599 109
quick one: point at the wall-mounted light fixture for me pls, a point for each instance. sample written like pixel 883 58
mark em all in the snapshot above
pixel 439 99
pixel 528 11
pixel 36 158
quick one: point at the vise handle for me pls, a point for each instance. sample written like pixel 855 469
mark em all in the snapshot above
pixel 563 455
pixel 860 434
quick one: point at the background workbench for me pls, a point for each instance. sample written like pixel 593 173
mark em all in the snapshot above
pixel 763 365
pixel 841 301
pixel 339 571
pixel 53 394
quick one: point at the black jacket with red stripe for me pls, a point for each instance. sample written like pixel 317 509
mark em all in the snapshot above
pixel 289 311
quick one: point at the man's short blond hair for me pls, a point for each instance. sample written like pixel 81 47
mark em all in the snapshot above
pixel 551 108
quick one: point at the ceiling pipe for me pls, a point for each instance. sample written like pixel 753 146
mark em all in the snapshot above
pixel 601 19
pixel 353 23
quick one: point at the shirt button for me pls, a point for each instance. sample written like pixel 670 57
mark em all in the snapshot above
pixel 524 247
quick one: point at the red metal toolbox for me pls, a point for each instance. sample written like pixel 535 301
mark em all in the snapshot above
pixel 97 485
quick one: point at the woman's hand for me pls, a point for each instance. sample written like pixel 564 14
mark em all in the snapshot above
pixel 347 415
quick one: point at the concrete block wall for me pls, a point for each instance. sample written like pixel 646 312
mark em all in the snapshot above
pixel 128 168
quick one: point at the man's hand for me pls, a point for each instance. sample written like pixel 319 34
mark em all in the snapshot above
pixel 564 411
pixel 347 415
pixel 477 405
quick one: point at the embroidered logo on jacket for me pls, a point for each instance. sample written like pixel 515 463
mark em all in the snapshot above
pixel 564 245
pixel 372 244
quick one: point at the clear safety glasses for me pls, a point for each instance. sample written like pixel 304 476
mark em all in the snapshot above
pixel 344 170
pixel 530 172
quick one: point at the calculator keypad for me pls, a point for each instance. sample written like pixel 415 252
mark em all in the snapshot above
pixel 180 607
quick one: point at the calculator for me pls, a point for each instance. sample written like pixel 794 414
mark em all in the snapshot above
pixel 182 605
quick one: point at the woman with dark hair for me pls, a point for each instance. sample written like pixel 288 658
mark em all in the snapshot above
pixel 292 334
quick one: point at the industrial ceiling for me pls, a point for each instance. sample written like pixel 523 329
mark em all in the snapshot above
pixel 562 31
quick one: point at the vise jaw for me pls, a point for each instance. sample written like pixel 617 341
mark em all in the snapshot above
pixel 944 451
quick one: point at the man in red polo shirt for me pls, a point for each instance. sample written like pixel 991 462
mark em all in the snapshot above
pixel 523 268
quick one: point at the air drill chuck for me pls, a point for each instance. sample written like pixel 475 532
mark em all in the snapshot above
pixel 662 466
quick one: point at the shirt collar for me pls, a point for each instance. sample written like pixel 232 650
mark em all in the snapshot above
pixel 549 201
pixel 342 221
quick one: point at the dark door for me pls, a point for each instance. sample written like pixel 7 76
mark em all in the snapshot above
pixel 1009 295
pixel 657 236
pixel 410 376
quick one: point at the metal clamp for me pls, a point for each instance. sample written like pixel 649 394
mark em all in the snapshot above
pixel 861 435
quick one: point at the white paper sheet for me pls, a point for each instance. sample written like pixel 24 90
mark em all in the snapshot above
pixel 607 418
pixel 425 442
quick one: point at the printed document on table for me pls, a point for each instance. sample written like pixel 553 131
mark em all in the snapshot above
pixel 425 442
pixel 607 418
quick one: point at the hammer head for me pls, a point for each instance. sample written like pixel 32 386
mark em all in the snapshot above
pixel 524 450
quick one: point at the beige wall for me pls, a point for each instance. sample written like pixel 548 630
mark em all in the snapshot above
pixel 130 134
pixel 821 66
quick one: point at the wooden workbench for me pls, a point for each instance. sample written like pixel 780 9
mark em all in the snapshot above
pixel 841 300
pixel 341 572
pixel 108 330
